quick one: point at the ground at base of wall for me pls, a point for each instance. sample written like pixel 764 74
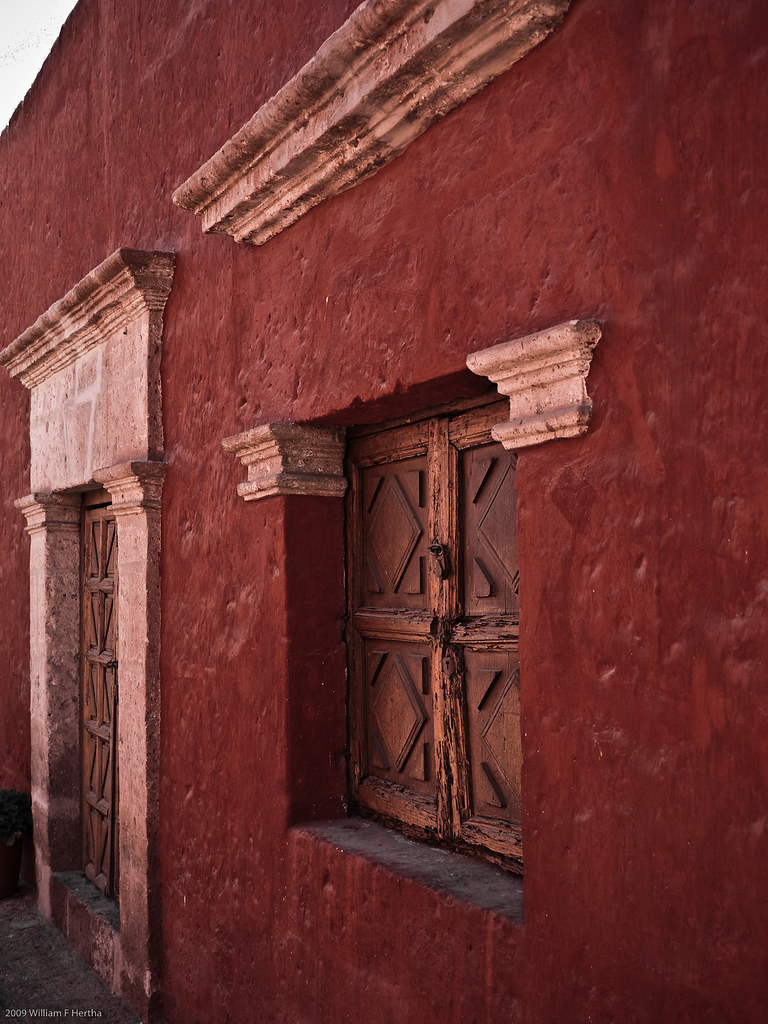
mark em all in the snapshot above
pixel 40 972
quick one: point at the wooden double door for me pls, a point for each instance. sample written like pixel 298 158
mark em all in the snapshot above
pixel 433 588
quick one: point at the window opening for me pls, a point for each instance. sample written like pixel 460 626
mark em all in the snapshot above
pixel 433 632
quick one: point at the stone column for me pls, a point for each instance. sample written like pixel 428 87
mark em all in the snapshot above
pixel 53 523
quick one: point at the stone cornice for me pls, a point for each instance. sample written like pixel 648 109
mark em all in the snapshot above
pixel 544 375
pixel 391 70
pixel 290 458
pixel 126 285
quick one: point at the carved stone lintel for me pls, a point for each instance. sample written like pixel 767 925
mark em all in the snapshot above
pixel 290 458
pixel 388 73
pixel 127 284
pixel 49 511
pixel 133 486
pixel 545 376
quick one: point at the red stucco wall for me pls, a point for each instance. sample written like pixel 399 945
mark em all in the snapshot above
pixel 14 586
pixel 618 172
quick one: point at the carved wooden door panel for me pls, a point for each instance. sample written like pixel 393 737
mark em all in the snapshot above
pixel 486 634
pixel 433 601
pixel 489 547
pixel 99 699
pixel 392 707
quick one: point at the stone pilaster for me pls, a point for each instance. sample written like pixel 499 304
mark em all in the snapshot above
pixel 53 523
pixel 136 491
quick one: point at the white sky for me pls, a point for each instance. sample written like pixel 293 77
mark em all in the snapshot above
pixel 28 30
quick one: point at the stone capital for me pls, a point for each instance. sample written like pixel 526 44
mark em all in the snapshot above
pixel 45 510
pixel 290 458
pixel 544 375
pixel 133 486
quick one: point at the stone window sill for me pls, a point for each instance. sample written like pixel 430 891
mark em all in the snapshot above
pixel 454 875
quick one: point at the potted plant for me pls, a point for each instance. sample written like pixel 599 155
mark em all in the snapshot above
pixel 15 823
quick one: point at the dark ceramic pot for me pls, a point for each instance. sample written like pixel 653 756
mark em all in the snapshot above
pixel 10 866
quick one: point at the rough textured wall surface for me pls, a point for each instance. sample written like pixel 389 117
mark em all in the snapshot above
pixel 617 172
pixel 14 586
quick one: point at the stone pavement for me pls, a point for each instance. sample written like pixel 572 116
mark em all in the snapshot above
pixel 42 978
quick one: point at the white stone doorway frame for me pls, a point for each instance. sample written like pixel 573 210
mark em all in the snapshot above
pixel 92 364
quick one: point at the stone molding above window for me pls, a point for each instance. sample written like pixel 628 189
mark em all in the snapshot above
pixel 290 458
pixel 544 375
pixel 388 73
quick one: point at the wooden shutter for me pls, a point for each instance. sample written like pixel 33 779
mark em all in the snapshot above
pixel 392 704
pixel 485 633
pixel 99 703
pixel 433 594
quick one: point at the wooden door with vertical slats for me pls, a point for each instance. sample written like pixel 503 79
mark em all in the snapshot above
pixel 99 699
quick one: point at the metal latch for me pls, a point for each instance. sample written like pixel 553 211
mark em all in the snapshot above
pixel 440 565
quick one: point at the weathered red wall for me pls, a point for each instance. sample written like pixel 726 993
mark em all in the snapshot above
pixel 618 172
pixel 14 588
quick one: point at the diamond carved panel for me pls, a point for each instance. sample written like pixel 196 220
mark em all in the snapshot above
pixel 394 531
pixel 502 743
pixel 397 711
pixel 491 580
pixel 493 699
pixel 496 525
